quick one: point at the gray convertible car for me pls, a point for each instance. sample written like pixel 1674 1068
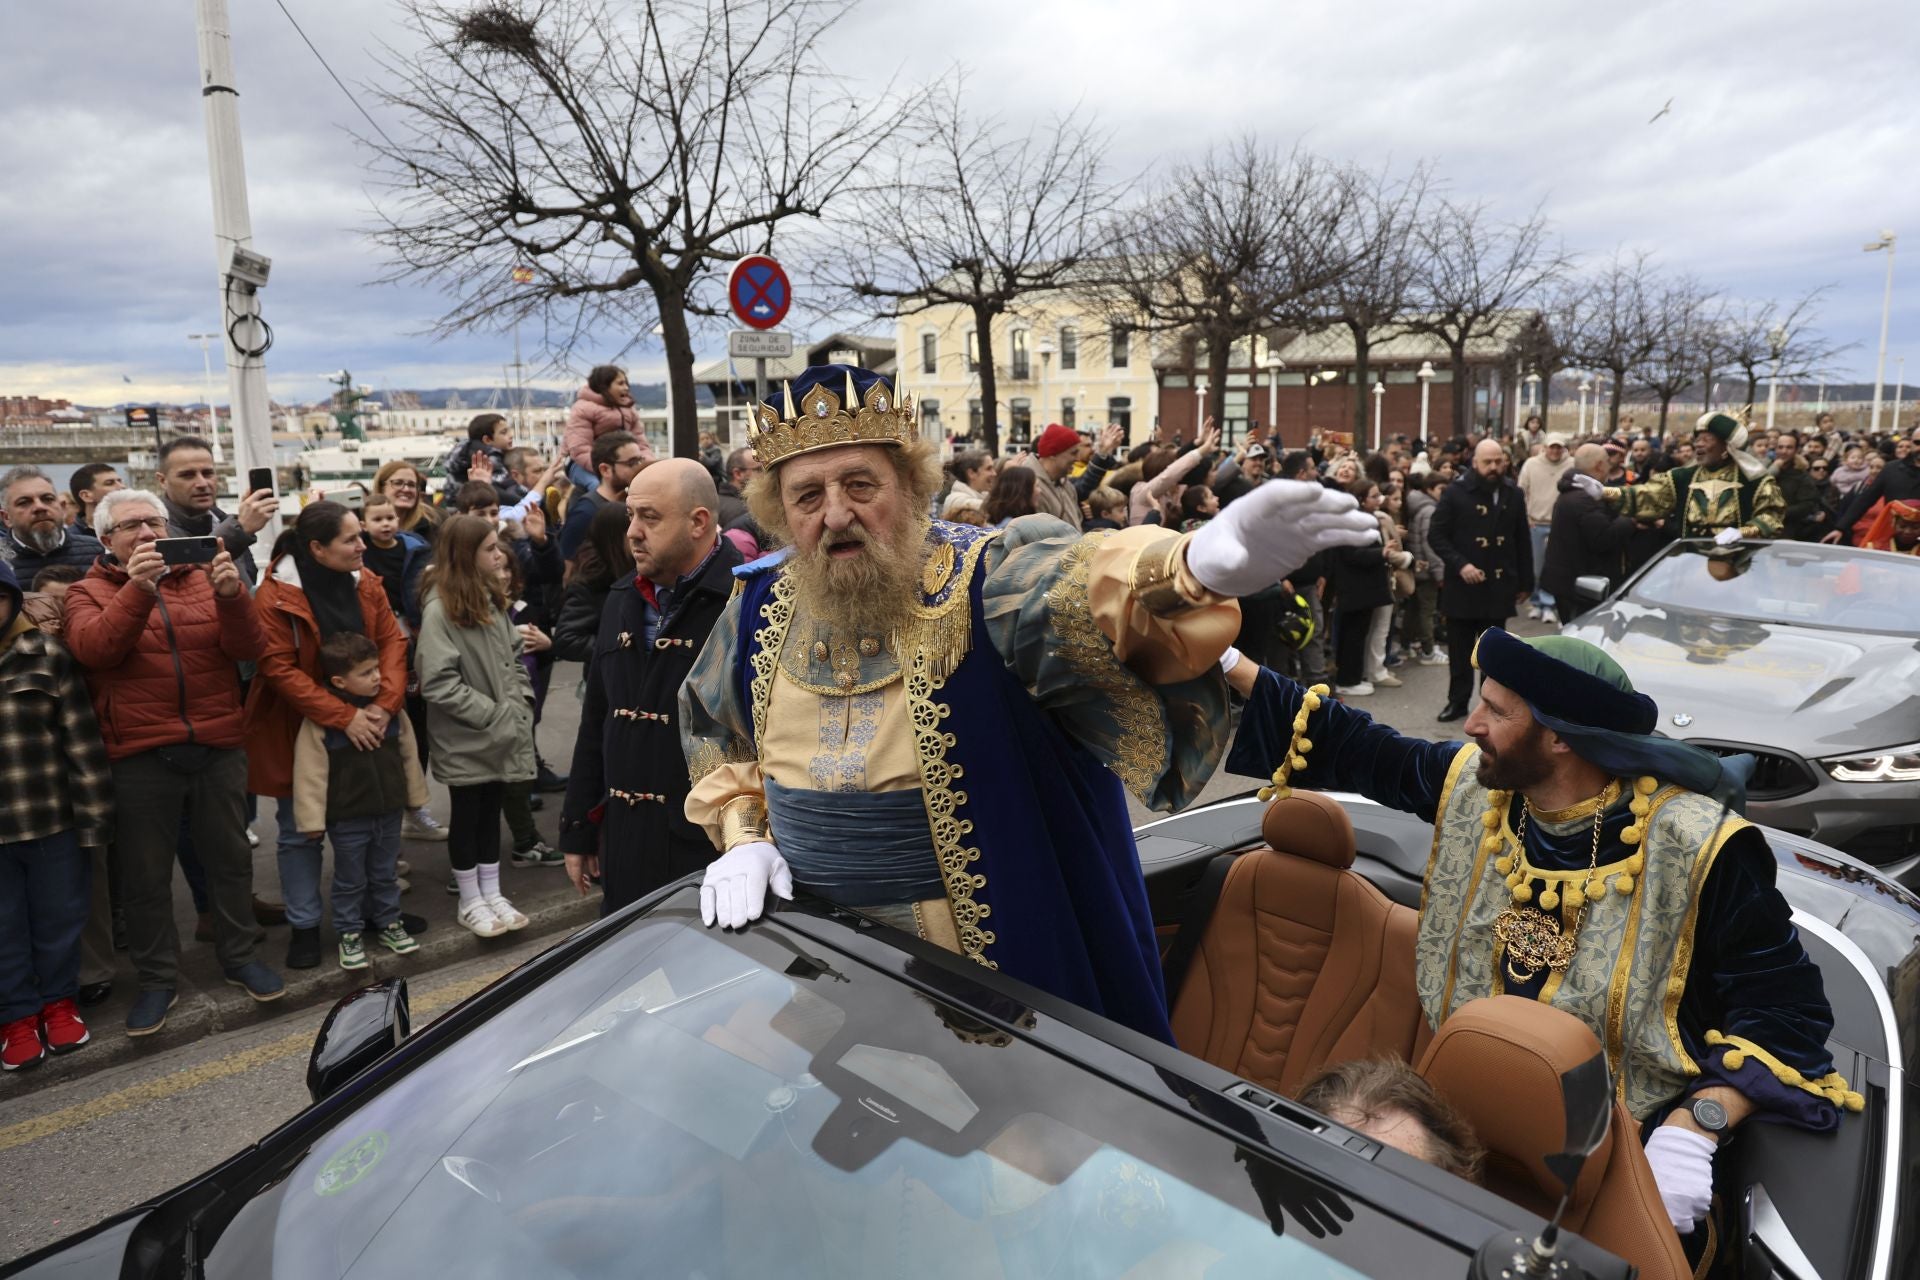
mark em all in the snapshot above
pixel 1807 657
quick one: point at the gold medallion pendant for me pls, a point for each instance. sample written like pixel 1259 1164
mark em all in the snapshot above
pixel 1534 942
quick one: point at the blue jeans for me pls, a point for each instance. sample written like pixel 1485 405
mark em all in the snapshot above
pixel 300 858
pixel 45 893
pixel 582 477
pixel 1539 597
pixel 366 854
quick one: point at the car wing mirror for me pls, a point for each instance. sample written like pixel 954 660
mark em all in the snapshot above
pixel 360 1030
pixel 1593 586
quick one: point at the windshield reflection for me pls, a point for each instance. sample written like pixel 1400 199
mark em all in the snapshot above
pixel 694 1105
pixel 1796 583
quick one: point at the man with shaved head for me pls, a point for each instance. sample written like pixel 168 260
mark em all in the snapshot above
pixel 1480 534
pixel 628 767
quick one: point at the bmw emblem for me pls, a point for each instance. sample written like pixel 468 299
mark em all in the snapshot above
pixel 1682 719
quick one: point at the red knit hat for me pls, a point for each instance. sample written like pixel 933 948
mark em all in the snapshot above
pixel 1055 439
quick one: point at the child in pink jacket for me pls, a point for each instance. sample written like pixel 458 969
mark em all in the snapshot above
pixel 604 404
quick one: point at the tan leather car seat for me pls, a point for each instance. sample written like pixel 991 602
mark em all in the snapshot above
pixel 1303 963
pixel 1499 1060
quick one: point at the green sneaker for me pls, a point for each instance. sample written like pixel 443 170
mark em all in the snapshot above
pixel 353 953
pixel 396 939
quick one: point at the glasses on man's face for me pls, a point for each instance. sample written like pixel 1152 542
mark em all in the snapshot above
pixel 156 523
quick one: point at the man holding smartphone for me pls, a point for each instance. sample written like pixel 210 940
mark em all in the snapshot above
pixel 191 487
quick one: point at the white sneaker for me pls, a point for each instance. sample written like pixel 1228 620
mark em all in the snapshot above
pixel 1360 690
pixel 1550 616
pixel 1533 612
pixel 477 915
pixel 253 838
pixel 1387 681
pixel 419 824
pixel 508 914
pixel 1438 658
pixel 401 867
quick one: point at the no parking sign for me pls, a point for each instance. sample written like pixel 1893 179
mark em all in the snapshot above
pixel 759 292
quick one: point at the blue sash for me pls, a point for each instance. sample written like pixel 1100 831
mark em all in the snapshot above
pixel 857 848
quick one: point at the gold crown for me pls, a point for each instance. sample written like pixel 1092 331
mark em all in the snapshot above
pixel 824 420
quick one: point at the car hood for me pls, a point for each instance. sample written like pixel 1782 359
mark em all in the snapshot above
pixel 1739 679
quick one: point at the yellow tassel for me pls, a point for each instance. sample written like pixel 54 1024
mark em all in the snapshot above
pixel 1304 745
pixel 1299 762
pixel 1576 897
pixel 1623 885
pixel 1640 806
pixel 1855 1102
pixel 1549 899
pixel 1312 700
pixel 1596 890
pixel 1319 689
pixel 1646 785
pixel 1523 893
pixel 1300 723
pixel 1281 793
pixel 1266 794
pixel 1504 865
pixel 1633 865
pixel 1632 834
pixel 1489 819
pixel 1733 1060
pixel 1492 844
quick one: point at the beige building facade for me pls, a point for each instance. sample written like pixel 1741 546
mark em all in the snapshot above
pixel 1055 358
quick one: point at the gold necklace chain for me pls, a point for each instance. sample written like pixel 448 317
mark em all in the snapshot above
pixel 1534 939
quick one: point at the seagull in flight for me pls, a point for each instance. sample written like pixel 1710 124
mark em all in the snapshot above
pixel 1662 111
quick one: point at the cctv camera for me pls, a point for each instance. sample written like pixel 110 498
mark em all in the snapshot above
pixel 249 268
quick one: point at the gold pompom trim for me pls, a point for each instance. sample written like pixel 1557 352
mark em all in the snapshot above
pixel 1832 1087
pixel 1294 758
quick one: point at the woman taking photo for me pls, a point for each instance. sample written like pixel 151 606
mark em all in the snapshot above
pixel 479 708
pixel 316 587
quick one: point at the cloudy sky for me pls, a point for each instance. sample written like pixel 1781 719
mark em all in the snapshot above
pixel 1792 140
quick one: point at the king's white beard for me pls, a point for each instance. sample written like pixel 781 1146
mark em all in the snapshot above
pixel 873 593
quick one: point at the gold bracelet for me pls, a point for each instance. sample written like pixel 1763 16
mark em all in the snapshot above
pixel 1154 580
pixel 742 819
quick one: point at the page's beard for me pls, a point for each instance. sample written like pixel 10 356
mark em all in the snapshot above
pixel 873 593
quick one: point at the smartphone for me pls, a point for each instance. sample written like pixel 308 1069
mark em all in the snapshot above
pixel 259 478
pixel 188 550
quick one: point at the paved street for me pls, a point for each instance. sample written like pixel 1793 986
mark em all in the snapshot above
pixel 88 1135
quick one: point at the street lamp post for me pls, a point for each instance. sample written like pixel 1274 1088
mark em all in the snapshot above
pixel 1886 311
pixel 1585 387
pixel 1274 365
pixel 1533 392
pixel 1379 395
pixel 206 366
pixel 1426 385
pixel 1899 390
pixel 1200 385
pixel 1777 343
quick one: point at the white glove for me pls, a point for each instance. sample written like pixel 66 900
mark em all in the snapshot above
pixel 1682 1162
pixel 1588 485
pixel 1726 537
pixel 735 888
pixel 1261 538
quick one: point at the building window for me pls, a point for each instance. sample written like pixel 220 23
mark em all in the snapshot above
pixel 1120 342
pixel 930 419
pixel 1069 347
pixel 1022 361
pixel 973 420
pixel 1120 411
pixel 929 352
pixel 1066 411
pixel 1239 415
pixel 973 351
pixel 1020 419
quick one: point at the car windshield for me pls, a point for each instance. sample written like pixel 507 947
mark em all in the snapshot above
pixel 685 1103
pixel 1792 582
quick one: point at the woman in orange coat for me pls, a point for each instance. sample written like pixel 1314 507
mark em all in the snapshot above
pixel 315 587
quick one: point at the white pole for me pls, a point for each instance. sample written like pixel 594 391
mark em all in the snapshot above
pixel 1899 391
pixel 1426 386
pixel 233 229
pixel 1585 386
pixel 206 368
pixel 1379 396
pixel 1886 313
pixel 1273 403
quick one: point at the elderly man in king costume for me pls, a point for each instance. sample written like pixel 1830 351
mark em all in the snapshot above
pixel 932 722
pixel 1582 861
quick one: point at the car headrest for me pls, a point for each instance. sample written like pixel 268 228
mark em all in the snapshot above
pixel 1499 1060
pixel 1311 826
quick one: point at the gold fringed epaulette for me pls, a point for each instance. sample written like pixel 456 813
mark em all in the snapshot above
pixel 945 637
pixel 1832 1086
pixel 1296 753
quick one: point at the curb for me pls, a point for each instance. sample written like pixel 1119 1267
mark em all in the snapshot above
pixel 202 1013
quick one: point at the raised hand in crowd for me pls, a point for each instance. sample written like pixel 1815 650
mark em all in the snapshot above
pixel 480 468
pixel 256 509
pixel 224 574
pixel 1110 437
pixel 1209 437
pixel 534 521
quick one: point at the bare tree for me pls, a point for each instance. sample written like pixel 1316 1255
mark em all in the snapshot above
pixel 1762 333
pixel 1476 270
pixel 1239 241
pixel 622 153
pixel 969 216
pixel 1550 345
pixel 1685 321
pixel 1623 328
pixel 1383 268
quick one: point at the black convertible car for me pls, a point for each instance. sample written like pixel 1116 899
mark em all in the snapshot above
pixel 819 1096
